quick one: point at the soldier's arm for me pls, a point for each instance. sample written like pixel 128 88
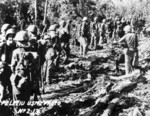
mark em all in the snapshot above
pixel 12 79
pixel 14 61
pixel 122 39
pixel 82 28
pixel 136 42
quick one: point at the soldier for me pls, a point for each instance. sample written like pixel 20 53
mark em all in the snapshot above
pixel 47 70
pixel 54 37
pixel 23 44
pixel 124 23
pixel 119 30
pixel 95 29
pixel 4 29
pixel 33 37
pixel 64 36
pixel 25 67
pixel 42 43
pixel 102 32
pixel 9 46
pixel 131 49
pixel 109 30
pixel 83 39
pixel 52 41
pixel 114 36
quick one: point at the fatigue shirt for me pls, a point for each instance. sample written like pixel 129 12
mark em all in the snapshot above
pixel 131 41
pixel 17 55
pixel 84 29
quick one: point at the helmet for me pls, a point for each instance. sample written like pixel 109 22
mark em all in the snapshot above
pixel 10 31
pixel 5 27
pixel 118 22
pixel 52 28
pixel 32 28
pixel 2 64
pixel 104 21
pixel 50 54
pixel 46 37
pixel 123 20
pixel 127 28
pixel 21 36
pixel 95 18
pixel 62 23
pixel 85 19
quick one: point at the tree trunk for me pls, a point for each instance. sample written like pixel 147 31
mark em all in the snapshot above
pixel 35 3
pixel 110 107
pixel 45 12
pixel 124 86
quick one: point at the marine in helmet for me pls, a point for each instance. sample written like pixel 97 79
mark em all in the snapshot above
pixel 32 31
pixel 4 29
pixel 109 29
pixel 48 67
pixel 95 33
pixel 85 27
pixel 54 38
pixel 119 30
pixel 84 36
pixel 9 46
pixel 130 42
pixel 64 36
pixel 102 31
pixel 33 37
pixel 23 44
pixel 25 68
pixel 43 45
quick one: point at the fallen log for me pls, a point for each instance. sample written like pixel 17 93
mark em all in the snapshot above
pixel 124 86
pixel 110 107
pixel 134 75
pixel 135 112
pixel 65 92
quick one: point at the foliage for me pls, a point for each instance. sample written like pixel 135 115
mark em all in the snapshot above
pixel 75 9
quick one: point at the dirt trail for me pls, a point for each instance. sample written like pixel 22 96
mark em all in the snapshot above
pixel 83 87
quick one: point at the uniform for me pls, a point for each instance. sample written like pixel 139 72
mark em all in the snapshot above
pixel 131 50
pixel 32 31
pixel 8 46
pixel 25 68
pixel 95 34
pixel 4 29
pixel 102 31
pixel 48 67
pixel 83 39
pixel 64 36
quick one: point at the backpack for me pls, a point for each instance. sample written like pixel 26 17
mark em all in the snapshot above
pixel 27 71
pixel 24 64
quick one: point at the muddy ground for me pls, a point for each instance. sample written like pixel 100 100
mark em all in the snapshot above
pixel 82 87
pixel 79 83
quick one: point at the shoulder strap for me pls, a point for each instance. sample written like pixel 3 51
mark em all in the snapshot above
pixel 21 58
